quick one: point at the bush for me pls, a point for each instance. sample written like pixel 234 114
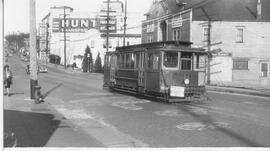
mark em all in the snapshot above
pixel 87 63
pixel 98 65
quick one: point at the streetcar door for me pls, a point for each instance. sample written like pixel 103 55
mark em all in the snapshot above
pixel 141 72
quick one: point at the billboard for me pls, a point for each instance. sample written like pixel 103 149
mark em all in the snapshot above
pixel 103 24
pixel 73 25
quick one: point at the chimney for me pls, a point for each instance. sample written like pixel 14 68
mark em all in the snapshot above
pixel 259 10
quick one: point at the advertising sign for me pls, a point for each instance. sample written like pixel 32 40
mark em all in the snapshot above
pixel 177 21
pixel 112 25
pixel 73 25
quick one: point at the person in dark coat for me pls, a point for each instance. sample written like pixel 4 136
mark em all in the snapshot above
pixel 7 79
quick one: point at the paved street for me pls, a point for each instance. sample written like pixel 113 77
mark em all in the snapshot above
pixel 120 120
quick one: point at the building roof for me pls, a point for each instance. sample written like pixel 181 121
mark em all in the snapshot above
pixel 229 10
pixel 218 10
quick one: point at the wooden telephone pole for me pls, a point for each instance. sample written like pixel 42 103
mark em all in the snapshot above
pixel 107 25
pixel 33 50
pixel 65 39
pixel 208 80
pixel 125 24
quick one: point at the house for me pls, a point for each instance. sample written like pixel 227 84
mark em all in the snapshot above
pixel 237 33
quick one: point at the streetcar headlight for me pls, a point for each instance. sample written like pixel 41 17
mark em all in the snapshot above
pixel 186 81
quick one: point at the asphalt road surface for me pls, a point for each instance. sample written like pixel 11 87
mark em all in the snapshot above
pixel 227 120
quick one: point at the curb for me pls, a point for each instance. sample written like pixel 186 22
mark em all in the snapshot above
pixel 242 91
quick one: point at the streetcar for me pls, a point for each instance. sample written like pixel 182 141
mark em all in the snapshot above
pixel 170 70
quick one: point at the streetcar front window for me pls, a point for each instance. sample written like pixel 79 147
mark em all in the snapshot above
pixel 170 59
pixel 186 61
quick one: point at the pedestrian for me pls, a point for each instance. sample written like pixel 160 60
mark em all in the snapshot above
pixel 7 78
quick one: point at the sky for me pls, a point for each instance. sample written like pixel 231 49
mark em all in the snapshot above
pixel 17 11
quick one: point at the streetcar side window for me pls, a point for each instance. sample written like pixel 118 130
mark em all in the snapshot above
pixel 170 59
pixel 120 60
pixel 186 61
pixel 107 61
pixel 137 60
pixel 153 61
pixel 129 62
pixel 199 61
pixel 113 61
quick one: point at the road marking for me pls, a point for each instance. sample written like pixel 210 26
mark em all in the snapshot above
pixel 74 114
pixel 198 110
pixel 127 106
pixel 28 99
pixel 130 103
pixel 197 126
pixel 93 94
pixel 170 113
pixel 250 103
pixel 191 126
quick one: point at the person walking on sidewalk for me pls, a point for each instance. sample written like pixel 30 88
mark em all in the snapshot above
pixel 7 79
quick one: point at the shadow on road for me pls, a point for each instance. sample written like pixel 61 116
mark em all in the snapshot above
pixel 208 120
pixel 51 90
pixel 28 129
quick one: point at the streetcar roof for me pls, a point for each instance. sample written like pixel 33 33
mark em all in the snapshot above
pixel 156 44
pixel 162 46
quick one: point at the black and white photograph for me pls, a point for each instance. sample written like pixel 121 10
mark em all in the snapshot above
pixel 135 74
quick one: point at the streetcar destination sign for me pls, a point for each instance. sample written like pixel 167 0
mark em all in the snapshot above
pixel 73 24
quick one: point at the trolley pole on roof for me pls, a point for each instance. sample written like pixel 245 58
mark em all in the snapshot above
pixel 107 25
pixel 125 24
pixel 33 50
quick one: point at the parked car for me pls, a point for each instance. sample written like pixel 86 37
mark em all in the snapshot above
pixel 42 69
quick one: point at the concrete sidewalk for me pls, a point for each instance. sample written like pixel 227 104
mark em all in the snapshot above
pixel 39 125
pixel 243 90
pixel 27 124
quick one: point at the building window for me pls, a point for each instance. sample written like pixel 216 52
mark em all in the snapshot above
pixel 176 34
pixel 240 35
pixel 240 64
pixel 205 34
pixel 129 61
pixel 150 38
pixel 150 28
pixel 264 69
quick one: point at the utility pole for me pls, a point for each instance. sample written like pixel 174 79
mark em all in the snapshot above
pixel 33 50
pixel 209 50
pixel 208 80
pixel 107 25
pixel 47 43
pixel 125 24
pixel 65 51
pixel 47 36
pixel 3 37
